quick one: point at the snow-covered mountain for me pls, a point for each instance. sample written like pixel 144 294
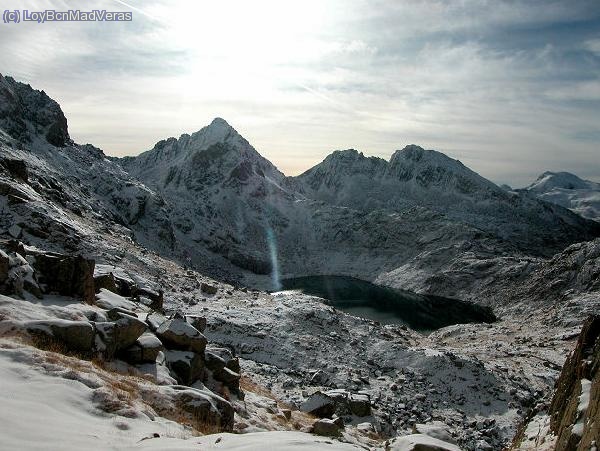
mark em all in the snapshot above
pixel 210 200
pixel 569 191
pixel 426 178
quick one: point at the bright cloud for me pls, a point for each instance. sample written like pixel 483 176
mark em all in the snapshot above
pixel 510 88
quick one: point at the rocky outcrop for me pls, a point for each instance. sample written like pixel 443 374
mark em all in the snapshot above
pixel 145 349
pixel 179 334
pixel 575 408
pixel 186 366
pixel 328 427
pixel 25 111
pixel 76 336
pixel 340 402
pixel 16 168
pixel 65 274
pixel 224 367
pixel 200 408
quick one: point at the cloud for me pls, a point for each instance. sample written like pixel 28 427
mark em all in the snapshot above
pixel 506 86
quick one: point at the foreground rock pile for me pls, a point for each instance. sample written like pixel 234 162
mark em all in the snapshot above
pixel 174 349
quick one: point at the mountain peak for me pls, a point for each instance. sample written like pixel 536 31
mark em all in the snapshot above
pixel 415 153
pixel 25 112
pixel 562 180
pixel 219 122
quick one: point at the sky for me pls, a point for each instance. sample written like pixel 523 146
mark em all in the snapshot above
pixel 510 88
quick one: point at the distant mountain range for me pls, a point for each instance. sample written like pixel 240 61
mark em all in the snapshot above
pixel 212 201
pixel 569 191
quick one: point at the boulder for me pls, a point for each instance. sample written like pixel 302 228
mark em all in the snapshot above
pixel 186 366
pixel 319 405
pixel 4 266
pixel 177 333
pixel 105 281
pixel 320 377
pixel 199 322
pixel 21 277
pixel 74 335
pixel 16 168
pixel 145 349
pixel 224 367
pixel 360 405
pixel 154 320
pixel 435 429
pixel 125 285
pixel 347 403
pixel 208 289
pixel 106 341
pixel 420 442
pixel 151 298
pixel 128 328
pixel 119 334
pixel 109 300
pixel 204 409
pixel 327 427
pixel 66 275
pixel 225 355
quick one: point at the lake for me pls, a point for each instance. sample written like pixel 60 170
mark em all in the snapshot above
pixel 387 305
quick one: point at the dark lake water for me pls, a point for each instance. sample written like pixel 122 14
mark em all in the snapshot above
pixel 389 305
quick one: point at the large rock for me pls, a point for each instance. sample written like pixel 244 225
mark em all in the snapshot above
pixel 119 334
pixel 155 320
pixel 208 289
pixel 347 403
pixel 224 367
pixel 20 276
pixel 327 427
pixel 186 366
pixel 435 429
pixel 128 328
pixel 16 168
pixel 319 405
pixel 74 335
pixel 105 281
pixel 199 322
pixel 177 333
pixel 204 410
pixel 151 298
pixel 222 356
pixel 66 275
pixel 4 266
pixel 145 349
pixel 420 442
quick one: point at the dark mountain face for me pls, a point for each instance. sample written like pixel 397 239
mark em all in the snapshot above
pixel 25 112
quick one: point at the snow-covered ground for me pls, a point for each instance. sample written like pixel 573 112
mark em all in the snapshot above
pixel 569 191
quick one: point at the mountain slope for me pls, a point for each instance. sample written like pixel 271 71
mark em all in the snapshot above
pixel 418 177
pixel 226 198
pixel 421 221
pixel 569 191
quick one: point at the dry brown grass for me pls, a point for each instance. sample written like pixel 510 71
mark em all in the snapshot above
pixel 298 421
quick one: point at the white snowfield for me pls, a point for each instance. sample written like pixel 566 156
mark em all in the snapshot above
pixel 569 191
pixel 40 411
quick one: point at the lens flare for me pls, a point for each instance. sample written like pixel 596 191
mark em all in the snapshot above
pixel 272 243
